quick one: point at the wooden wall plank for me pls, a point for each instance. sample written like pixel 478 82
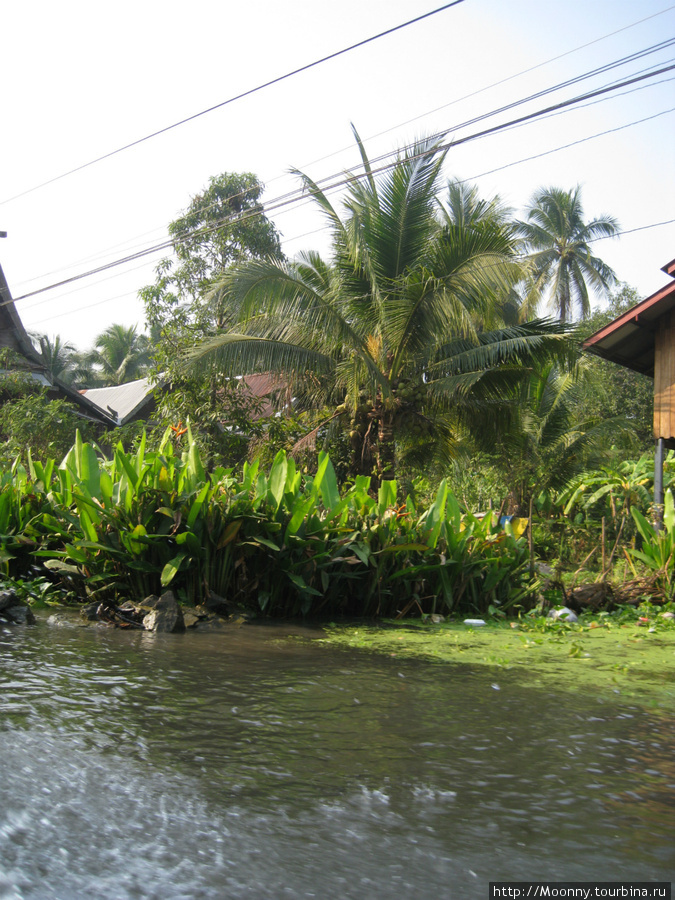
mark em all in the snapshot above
pixel 664 377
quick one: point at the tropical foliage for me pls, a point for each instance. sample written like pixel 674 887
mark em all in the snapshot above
pixel 658 546
pixel 613 491
pixel 223 225
pixel 558 241
pixel 58 356
pixel 120 354
pixel 546 443
pixel 402 335
pixel 33 422
pixel 281 543
pixel 611 390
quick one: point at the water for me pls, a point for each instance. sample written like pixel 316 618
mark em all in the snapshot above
pixel 260 763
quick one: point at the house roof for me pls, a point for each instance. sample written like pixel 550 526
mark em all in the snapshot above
pixel 15 336
pixel 264 386
pixel 126 402
pixel 12 332
pixel 629 339
pixel 123 402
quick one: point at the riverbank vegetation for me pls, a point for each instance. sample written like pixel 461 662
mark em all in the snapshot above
pixel 432 447
pixel 284 542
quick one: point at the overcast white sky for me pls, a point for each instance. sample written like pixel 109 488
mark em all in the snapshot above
pixel 79 79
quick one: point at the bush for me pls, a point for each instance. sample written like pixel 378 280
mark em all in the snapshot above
pixel 35 423
pixel 282 543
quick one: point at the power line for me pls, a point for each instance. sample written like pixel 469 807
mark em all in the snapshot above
pixel 567 146
pixel 292 197
pixel 502 81
pixel 430 112
pixel 247 93
pixel 604 237
pixel 131 293
pixel 552 88
pixel 462 181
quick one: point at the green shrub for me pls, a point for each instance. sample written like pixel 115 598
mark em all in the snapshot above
pixel 284 543
pixel 34 422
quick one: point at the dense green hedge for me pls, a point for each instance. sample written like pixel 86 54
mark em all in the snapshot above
pixel 283 543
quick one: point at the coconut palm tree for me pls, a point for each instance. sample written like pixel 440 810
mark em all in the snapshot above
pixel 546 443
pixel 400 335
pixel 58 357
pixel 120 354
pixel 557 240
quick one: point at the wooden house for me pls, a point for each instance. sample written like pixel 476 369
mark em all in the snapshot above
pixel 643 339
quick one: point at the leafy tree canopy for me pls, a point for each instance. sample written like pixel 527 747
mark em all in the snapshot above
pixel 614 390
pixel 558 241
pixel 402 333
pixel 224 225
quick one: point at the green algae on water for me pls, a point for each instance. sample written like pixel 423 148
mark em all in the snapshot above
pixel 625 660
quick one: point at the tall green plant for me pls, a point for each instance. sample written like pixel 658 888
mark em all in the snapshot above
pixel 401 335
pixel 658 547
pixel 280 541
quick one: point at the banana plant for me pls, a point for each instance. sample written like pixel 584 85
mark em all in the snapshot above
pixel 658 547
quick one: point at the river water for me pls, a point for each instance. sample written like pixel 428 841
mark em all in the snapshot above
pixel 261 763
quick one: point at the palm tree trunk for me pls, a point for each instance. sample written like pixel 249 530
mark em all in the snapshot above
pixel 386 450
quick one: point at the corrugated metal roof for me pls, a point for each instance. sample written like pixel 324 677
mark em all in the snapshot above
pixel 122 401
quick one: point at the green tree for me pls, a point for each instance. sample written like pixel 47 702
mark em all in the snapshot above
pixel 36 423
pixel 612 390
pixel 59 357
pixel 225 224
pixel 120 354
pixel 548 443
pixel 557 240
pixel 402 333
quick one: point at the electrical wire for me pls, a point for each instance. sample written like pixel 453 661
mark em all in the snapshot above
pixel 567 146
pixel 241 96
pixel 423 115
pixel 354 177
pixel 87 306
pixel 502 81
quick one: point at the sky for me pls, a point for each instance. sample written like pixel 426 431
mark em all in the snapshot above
pixel 81 79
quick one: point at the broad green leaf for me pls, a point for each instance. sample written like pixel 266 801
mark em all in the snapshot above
pixel 57 565
pixel 301 508
pixel 171 569
pixel 277 477
pixel 264 542
pixel 669 511
pixel 386 497
pixel 86 523
pixel 302 585
pixel 646 530
pixel 327 482
pixel 196 507
pixel 89 470
pixel 194 460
